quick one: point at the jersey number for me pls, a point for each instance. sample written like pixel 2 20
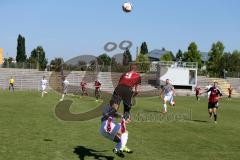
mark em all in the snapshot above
pixel 128 75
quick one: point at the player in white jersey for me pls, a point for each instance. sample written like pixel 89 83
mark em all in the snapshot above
pixel 65 85
pixel 113 131
pixel 43 84
pixel 168 92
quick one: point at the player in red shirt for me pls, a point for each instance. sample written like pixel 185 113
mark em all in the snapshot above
pixel 127 88
pixel 83 85
pixel 215 94
pixel 197 92
pixel 230 89
pixel 97 85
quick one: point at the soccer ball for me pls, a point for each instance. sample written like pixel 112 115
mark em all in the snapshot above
pixel 127 7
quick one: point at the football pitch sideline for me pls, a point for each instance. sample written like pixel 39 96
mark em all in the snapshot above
pixel 30 130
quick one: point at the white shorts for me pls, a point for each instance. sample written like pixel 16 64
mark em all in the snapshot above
pixel 65 90
pixel 168 98
pixel 114 130
pixel 44 88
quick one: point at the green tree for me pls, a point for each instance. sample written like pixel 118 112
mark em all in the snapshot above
pixel 104 59
pixel 82 65
pixel 225 61
pixel 5 63
pixel 193 55
pixel 8 62
pixel 225 64
pixel 234 63
pixel 127 57
pixel 215 55
pixel 179 55
pixel 117 66
pixel 114 65
pixel 56 64
pixel 144 48
pixel 166 57
pixel 38 58
pixel 143 62
pixel 172 56
pixel 142 58
pixel 93 65
pixel 21 51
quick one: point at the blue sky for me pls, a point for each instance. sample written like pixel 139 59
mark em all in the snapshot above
pixel 68 28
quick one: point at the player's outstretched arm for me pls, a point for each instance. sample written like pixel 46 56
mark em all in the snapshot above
pixel 136 90
pixel 220 94
pixel 161 93
pixel 174 92
pixel 206 91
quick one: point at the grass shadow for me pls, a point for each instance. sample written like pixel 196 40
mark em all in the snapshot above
pixel 83 152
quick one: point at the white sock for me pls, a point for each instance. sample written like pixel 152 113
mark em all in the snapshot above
pixel 62 96
pixel 124 139
pixel 42 94
pixel 165 107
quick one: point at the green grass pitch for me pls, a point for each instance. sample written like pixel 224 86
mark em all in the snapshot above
pixel 29 130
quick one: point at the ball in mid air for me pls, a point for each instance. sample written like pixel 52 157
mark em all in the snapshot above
pixel 127 7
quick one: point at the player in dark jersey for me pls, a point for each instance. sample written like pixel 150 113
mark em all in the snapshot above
pixel 83 85
pixel 215 94
pixel 97 85
pixel 127 88
pixel 230 89
pixel 197 92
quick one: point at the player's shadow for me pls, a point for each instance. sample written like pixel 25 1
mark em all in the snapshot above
pixel 200 121
pixel 151 111
pixel 83 152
